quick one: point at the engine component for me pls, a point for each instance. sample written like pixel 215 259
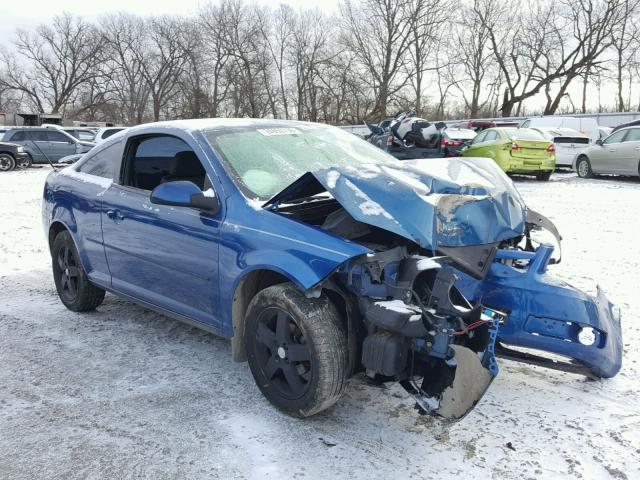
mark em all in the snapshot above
pixel 385 353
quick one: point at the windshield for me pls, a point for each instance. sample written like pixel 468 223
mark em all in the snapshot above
pixel 264 159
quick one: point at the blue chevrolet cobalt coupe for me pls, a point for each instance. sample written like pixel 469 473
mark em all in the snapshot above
pixel 321 256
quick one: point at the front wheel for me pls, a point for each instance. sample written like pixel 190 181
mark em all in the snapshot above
pixel 583 167
pixel 74 288
pixel 297 349
pixel 7 162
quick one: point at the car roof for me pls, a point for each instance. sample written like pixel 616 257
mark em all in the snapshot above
pixel 200 124
pixel 568 132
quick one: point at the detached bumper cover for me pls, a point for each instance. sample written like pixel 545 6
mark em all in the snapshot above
pixel 547 314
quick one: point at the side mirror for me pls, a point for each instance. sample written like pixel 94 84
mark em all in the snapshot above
pixel 185 194
pixel 599 142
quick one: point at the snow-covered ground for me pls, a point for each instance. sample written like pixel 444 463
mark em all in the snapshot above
pixel 124 392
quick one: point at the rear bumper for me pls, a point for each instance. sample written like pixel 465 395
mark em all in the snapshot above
pixel 565 159
pixel 547 314
pixel 522 167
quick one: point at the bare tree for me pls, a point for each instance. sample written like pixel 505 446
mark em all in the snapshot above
pixel 125 50
pixel 379 33
pixel 56 61
pixel 625 44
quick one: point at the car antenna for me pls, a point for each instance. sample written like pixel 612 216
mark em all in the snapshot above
pixel 45 156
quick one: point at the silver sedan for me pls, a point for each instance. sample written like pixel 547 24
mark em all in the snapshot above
pixel 618 154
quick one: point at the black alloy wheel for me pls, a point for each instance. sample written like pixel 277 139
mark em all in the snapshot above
pixel 283 353
pixel 74 288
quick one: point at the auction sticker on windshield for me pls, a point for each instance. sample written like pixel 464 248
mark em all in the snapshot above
pixel 268 132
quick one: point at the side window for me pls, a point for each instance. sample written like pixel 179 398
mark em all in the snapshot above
pixel 479 139
pixel 615 137
pixel 37 136
pixel 491 135
pixel 633 135
pixel 526 124
pixel 20 136
pixel 153 160
pixel 108 133
pixel 85 135
pixel 103 162
pixel 54 136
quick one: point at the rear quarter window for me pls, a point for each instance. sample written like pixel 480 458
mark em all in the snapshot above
pixel 18 136
pixel 104 162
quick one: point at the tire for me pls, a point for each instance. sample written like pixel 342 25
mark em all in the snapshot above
pixel 543 177
pixel 7 162
pixel 26 162
pixel 75 290
pixel 297 349
pixel 583 167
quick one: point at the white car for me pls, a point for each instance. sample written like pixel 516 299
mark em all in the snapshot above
pixel 586 126
pixel 105 132
pixel 569 143
pixel 618 154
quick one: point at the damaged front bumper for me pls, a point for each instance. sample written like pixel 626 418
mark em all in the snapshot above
pixel 422 333
pixel 548 315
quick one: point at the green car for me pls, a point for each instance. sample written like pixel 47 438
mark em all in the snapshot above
pixel 515 150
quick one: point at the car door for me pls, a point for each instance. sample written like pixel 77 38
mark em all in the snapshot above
pixel 40 144
pixel 602 157
pixel 60 145
pixel 629 157
pixel 490 144
pixel 161 255
pixel 473 149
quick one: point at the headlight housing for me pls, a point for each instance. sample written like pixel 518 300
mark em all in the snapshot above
pixel 20 149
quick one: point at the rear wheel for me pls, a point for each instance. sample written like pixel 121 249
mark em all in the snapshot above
pixel 544 176
pixel 583 167
pixel 74 288
pixel 7 162
pixel 297 349
pixel 26 162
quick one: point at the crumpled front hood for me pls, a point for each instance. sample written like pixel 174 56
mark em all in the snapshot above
pixel 451 202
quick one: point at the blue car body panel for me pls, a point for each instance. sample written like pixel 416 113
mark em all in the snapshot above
pixel 435 203
pixel 545 313
pixel 128 245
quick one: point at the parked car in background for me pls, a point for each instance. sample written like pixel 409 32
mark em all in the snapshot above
pixel 476 125
pixel 70 159
pixel 587 126
pixel 515 150
pixel 13 155
pixel 84 134
pixel 632 123
pixel 569 144
pixel 618 154
pixel 105 132
pixel 44 144
pixel 408 137
pixel 605 132
pixel 454 139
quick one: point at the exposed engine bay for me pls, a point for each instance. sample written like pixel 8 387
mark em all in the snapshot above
pixel 438 297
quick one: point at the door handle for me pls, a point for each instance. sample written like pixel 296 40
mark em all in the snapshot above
pixel 115 215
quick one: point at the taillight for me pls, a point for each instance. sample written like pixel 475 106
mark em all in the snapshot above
pixel 515 147
pixel 389 141
pixel 450 143
pixel 551 148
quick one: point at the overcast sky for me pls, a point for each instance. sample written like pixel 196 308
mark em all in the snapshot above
pixel 26 13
